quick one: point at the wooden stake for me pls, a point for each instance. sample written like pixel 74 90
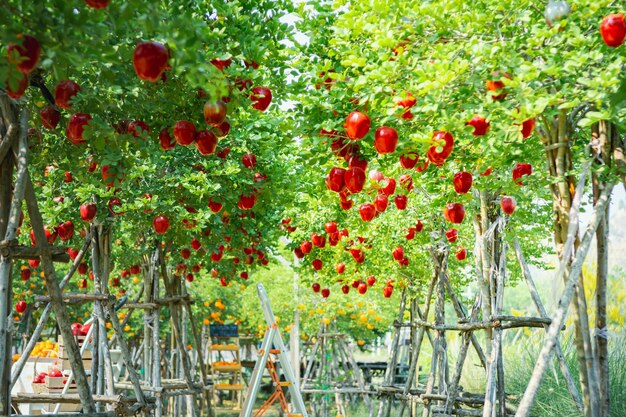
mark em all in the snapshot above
pixel 57 301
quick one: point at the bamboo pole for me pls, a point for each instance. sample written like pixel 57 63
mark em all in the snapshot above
pixel 566 298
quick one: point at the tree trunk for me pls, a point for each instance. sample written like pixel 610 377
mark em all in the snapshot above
pixel 9 128
pixel 555 137
pixel 604 135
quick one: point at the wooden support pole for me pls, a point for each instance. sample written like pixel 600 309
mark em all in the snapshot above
pixel 62 317
pixel 10 209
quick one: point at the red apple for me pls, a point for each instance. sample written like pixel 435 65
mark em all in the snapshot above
pixel 166 141
pixel 380 202
pixel 495 85
pixel 358 255
pixel 356 160
pixel 26 54
pixel 520 170
pixel 407 101
pixel 462 182
pixel 77 329
pixel 72 252
pixel 461 253
pixel 51 235
pixel 189 277
pixel 115 282
pixel 340 267
pixel 357 125
pixel 20 307
pixel 76 127
pixel 261 98
pixel 613 30
pixel 346 204
pixel 411 234
pixel 527 128
pixel 298 252
pixel 184 132
pixel 345 289
pixel 398 253
pixel 195 244
pixel 115 202
pixel 367 212
pixel 220 64
pixel 387 291
pixel 406 181
pixel 480 125
pixel 88 211
pixel 160 224
pixel 34 263
pixel 508 204
pixel 64 92
pixel 385 140
pixel 454 213
pixel 371 280
pixel 306 247
pixel 21 87
pixel 185 253
pixel 248 160
pixel 49 117
pixel 223 129
pixel 390 187
pixel 354 179
pixel 317 264
pixel 318 240
pixel 330 227
pixel 150 60
pixel 97 4
pixel 25 274
pixel 214 112
pixel 409 160
pixel 325 292
pixel 452 235
pixel 82 268
pixel 214 206
pixel 223 282
pixel 335 179
pixel 82 283
pixel 316 287
pixel 246 202
pixel 362 288
pixel 401 201
pixel 442 145
pixel 67 177
pixel 206 142
pixel 138 128
pixel 66 230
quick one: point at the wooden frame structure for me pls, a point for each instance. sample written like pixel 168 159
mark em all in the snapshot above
pixel 332 370
pixel 100 395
